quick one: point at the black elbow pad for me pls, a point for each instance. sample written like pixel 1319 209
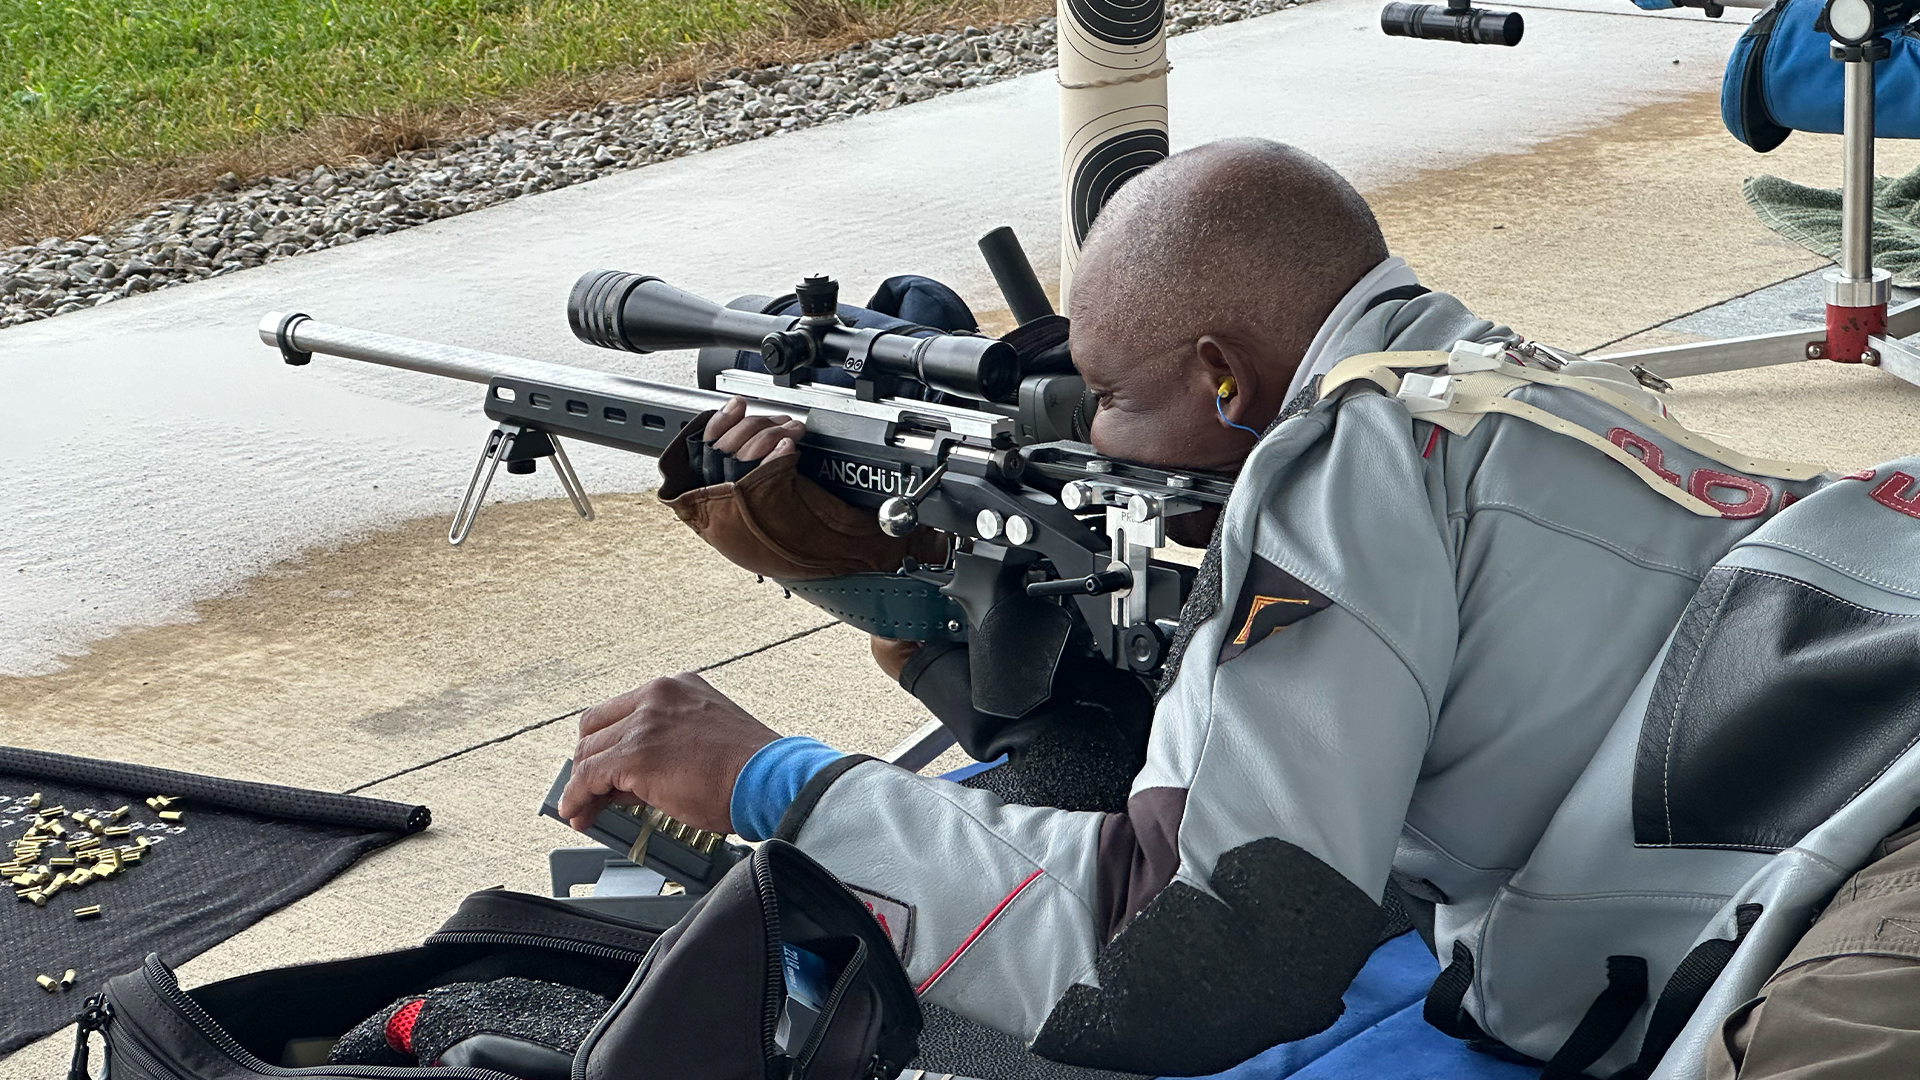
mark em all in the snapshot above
pixel 1195 985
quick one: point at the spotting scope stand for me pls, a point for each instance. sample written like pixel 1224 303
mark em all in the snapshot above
pixel 1859 327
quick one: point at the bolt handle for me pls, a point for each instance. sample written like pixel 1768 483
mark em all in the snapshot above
pixel 1100 584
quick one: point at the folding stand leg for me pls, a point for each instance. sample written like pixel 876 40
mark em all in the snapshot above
pixel 1856 293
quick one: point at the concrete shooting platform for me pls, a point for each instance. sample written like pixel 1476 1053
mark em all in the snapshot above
pixel 211 561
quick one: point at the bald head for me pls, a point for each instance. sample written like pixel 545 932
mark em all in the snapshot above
pixel 1244 235
pixel 1220 263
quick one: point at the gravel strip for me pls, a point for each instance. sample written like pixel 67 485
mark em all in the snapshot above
pixel 223 231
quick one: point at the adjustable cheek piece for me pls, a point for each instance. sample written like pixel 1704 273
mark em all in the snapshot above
pixel 1220 397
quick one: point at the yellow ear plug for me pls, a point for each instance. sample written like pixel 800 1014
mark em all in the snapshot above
pixel 1226 388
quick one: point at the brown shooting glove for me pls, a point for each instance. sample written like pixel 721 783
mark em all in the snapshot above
pixel 767 518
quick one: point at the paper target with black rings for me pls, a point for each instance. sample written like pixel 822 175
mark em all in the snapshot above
pixel 1116 160
pixel 1103 153
pixel 1125 23
pixel 1104 41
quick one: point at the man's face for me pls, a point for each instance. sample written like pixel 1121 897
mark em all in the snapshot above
pixel 1156 400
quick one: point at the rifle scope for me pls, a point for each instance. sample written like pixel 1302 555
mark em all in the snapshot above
pixel 644 314
pixel 1458 21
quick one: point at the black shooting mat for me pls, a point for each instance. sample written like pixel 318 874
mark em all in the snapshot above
pixel 239 852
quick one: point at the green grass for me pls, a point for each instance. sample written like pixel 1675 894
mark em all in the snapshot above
pixel 87 85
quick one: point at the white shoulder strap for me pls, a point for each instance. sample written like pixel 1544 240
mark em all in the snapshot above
pixel 1477 383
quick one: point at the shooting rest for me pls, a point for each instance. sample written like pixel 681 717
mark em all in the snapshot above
pixel 1859 327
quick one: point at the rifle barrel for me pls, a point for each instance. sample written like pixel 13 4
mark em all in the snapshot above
pixel 472 365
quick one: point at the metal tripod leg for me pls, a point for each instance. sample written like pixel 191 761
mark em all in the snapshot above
pixel 516 445
pixel 569 480
pixel 499 443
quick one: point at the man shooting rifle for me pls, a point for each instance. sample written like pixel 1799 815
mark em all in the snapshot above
pixel 1432 653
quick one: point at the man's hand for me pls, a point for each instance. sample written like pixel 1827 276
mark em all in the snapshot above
pixel 676 744
pixel 892 655
pixel 752 438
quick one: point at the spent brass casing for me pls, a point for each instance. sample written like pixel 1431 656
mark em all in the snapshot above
pixel 47 983
pixel 67 978
pixel 91 911
pixel 171 815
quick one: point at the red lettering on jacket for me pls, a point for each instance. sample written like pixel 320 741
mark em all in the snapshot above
pixel 1893 494
pixel 1703 481
pixel 1649 454
pixel 1863 474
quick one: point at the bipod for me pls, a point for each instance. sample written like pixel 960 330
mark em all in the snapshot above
pixel 520 446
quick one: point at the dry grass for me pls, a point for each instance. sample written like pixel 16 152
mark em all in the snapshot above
pixel 80 197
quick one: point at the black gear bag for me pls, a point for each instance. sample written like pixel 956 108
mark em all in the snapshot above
pixel 778 973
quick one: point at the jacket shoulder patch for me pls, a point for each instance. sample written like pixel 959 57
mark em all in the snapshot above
pixel 1270 601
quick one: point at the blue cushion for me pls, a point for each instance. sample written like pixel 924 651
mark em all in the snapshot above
pixel 1382 1033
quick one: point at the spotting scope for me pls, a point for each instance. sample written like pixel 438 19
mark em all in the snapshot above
pixel 641 314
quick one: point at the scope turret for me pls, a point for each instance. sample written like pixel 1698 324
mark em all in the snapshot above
pixel 641 314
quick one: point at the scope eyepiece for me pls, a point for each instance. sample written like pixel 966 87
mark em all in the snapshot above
pixel 1455 22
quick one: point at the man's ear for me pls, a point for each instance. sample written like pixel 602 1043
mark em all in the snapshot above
pixel 1222 358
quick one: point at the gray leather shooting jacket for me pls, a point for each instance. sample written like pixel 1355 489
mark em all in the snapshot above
pixel 1616 702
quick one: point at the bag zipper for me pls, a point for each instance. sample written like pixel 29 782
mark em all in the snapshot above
pixel 820 1024
pixel 774 995
pixel 164 983
pixel 479 937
